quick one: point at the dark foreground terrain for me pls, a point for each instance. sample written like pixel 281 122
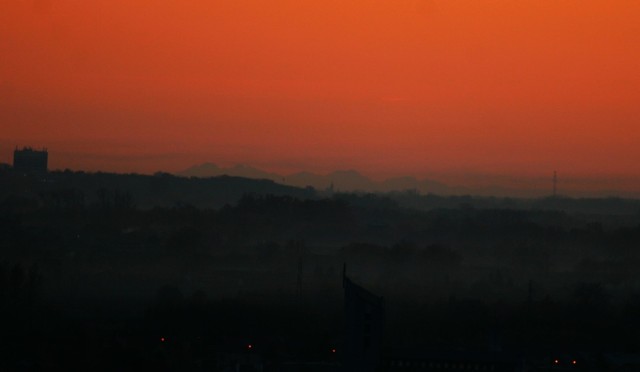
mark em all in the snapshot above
pixel 128 272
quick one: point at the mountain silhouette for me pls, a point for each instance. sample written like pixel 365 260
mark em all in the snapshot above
pixel 304 179
pixel 350 180
pixel 206 170
pixel 340 180
pixel 411 183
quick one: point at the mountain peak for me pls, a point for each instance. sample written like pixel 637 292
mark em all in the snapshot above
pixel 342 180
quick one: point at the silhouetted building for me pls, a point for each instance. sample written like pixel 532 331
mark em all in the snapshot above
pixel 30 161
pixel 364 313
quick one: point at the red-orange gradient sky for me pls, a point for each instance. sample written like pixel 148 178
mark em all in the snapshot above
pixel 388 87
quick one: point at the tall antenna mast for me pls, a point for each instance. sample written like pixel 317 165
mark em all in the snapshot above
pixel 555 184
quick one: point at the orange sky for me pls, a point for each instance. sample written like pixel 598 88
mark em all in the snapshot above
pixel 388 87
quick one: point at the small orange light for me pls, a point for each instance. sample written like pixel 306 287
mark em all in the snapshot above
pixel 162 339
pixel 556 361
pixel 249 346
pixel 333 350
pixel 574 362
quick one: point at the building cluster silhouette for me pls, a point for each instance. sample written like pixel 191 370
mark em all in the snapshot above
pixel 30 161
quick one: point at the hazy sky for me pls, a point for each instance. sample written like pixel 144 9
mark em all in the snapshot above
pixel 388 87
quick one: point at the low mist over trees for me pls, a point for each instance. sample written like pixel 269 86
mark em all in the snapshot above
pixel 454 271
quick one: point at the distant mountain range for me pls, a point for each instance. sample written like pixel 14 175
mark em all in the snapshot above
pixel 351 180
pixel 341 180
